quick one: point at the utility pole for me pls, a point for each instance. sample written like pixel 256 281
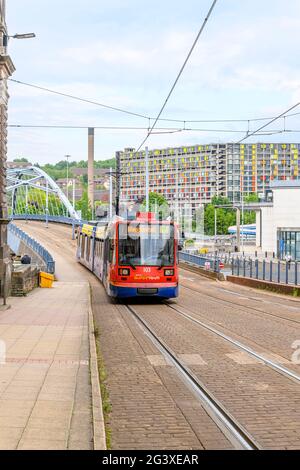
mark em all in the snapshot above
pixel 243 219
pixel 118 182
pixel 110 194
pixel 6 70
pixel 91 159
pixel 216 224
pixel 147 180
pixel 238 228
pixel 74 194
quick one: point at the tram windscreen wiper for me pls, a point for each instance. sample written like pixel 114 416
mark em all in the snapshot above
pixel 128 260
pixel 162 265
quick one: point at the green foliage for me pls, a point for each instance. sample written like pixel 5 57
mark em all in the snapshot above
pixel 225 217
pixel 106 164
pixel 157 201
pixel 251 198
pixel 59 170
pixel 84 206
pixel 21 160
pixel 37 203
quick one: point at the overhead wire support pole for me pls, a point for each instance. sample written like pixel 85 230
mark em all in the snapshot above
pixel 110 194
pixel 118 182
pixel 147 180
pixel 180 72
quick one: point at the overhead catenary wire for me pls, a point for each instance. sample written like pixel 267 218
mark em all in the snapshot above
pixel 180 72
pixel 67 95
pixel 149 118
pixel 282 115
pixel 160 130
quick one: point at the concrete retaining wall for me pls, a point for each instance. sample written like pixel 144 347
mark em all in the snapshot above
pixel 258 284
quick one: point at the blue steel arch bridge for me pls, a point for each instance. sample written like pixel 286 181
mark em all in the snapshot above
pixel 33 194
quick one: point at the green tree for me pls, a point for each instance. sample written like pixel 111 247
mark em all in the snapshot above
pixel 157 202
pixel 225 216
pixel 253 197
pixel 21 160
pixel 84 206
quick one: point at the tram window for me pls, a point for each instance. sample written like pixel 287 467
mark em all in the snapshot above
pixel 111 250
pixel 88 243
pixel 82 246
pixel 98 248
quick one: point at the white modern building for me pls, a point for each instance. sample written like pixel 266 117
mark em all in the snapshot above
pixel 278 222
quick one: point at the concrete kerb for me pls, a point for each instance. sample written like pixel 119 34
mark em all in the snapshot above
pixel 97 409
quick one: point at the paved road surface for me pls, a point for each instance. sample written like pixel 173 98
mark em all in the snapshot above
pixel 151 406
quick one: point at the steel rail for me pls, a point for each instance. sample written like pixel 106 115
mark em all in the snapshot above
pixel 277 367
pixel 254 309
pixel 234 431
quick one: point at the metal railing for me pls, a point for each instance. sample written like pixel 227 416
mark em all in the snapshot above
pixel 35 246
pixel 208 263
pixel 280 272
pixel 50 218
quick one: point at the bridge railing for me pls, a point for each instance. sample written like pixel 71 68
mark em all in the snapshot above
pixel 50 218
pixel 35 246
pixel 210 264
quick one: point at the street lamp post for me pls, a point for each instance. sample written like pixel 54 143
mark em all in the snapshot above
pixel 6 70
pixel 67 157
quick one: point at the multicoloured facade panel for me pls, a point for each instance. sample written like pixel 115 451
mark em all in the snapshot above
pixel 251 167
pixel 195 174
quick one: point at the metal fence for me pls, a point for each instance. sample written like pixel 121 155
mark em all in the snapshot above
pixel 280 272
pixel 50 218
pixel 35 246
pixel 210 264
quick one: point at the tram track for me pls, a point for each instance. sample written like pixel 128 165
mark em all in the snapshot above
pixel 277 367
pixel 236 304
pixel 233 430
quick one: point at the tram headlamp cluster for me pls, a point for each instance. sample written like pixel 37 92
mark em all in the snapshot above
pixel 124 272
pixel 169 272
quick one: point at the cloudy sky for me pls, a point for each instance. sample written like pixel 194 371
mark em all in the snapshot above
pixel 127 53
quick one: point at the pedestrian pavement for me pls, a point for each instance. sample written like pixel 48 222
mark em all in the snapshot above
pixel 45 385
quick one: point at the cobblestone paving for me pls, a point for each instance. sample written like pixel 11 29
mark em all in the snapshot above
pixel 272 333
pixel 151 407
pixel 262 400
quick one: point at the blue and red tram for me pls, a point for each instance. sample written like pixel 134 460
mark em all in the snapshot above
pixel 132 258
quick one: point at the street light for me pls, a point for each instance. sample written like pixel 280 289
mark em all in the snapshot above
pixel 6 37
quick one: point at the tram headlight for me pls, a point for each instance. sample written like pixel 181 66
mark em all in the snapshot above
pixel 124 272
pixel 169 272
